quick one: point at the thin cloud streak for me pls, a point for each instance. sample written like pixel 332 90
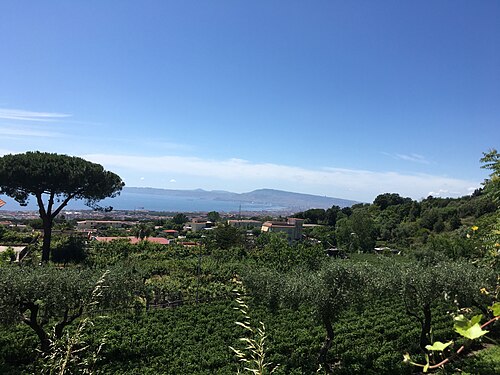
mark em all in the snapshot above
pixel 23 115
pixel 9 131
pixel 353 184
pixel 415 158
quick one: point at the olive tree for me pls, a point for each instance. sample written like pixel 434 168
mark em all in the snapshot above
pixel 332 289
pixel 48 299
pixel 424 285
pixel 54 180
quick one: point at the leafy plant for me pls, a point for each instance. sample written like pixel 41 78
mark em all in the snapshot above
pixel 253 355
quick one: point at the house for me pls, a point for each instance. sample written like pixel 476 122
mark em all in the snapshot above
pixel 292 227
pixel 197 224
pixel 171 232
pixel 245 224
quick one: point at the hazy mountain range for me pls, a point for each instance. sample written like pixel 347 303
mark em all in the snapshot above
pixel 264 197
pixel 167 200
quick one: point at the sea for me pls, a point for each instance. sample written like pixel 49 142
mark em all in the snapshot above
pixel 152 202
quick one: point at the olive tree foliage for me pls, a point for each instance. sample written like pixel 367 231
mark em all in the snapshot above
pixel 423 286
pixel 54 180
pixel 48 299
pixel 334 288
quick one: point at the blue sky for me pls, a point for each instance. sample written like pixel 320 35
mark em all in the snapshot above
pixel 341 98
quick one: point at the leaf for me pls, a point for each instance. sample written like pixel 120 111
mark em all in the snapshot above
pixel 472 332
pixel 495 308
pixel 475 319
pixel 461 321
pixel 438 346
pixel 406 357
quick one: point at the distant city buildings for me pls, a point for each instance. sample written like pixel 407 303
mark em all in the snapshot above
pixel 104 224
pixel 245 224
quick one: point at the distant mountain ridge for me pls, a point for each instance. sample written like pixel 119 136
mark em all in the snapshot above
pixel 286 199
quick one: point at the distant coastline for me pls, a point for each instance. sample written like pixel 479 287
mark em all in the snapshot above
pixel 167 200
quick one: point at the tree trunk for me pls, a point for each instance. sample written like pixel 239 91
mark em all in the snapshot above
pixel 47 236
pixel 326 345
pixel 426 328
pixel 66 320
pixel 32 321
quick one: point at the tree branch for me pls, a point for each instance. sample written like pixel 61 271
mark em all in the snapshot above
pixel 67 320
pixel 50 204
pixel 64 203
pixel 41 207
pixel 411 312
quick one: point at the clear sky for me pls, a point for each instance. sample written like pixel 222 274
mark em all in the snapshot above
pixel 348 99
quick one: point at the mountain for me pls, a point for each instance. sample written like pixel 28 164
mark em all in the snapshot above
pixel 298 200
pixel 199 200
pixel 263 197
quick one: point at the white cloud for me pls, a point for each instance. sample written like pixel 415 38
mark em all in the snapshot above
pixel 173 181
pixel 19 114
pixel 415 158
pixel 233 173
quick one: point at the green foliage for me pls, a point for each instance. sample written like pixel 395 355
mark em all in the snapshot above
pixel 68 249
pixel 63 176
pixel 70 353
pixel 49 296
pixel 7 256
pixel 485 362
pixel 180 219
pixel 273 250
pixel 57 179
pixel 368 306
pixel 357 232
pixel 438 346
pixel 469 328
pixel 225 236
pixel 491 161
pixel 389 199
pixel 142 230
pixel 213 216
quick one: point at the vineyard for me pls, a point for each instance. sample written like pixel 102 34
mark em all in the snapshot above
pixel 175 334
pixel 245 301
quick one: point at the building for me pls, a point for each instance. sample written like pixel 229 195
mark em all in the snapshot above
pixel 103 224
pixel 171 232
pixel 245 224
pixel 292 227
pixel 197 224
